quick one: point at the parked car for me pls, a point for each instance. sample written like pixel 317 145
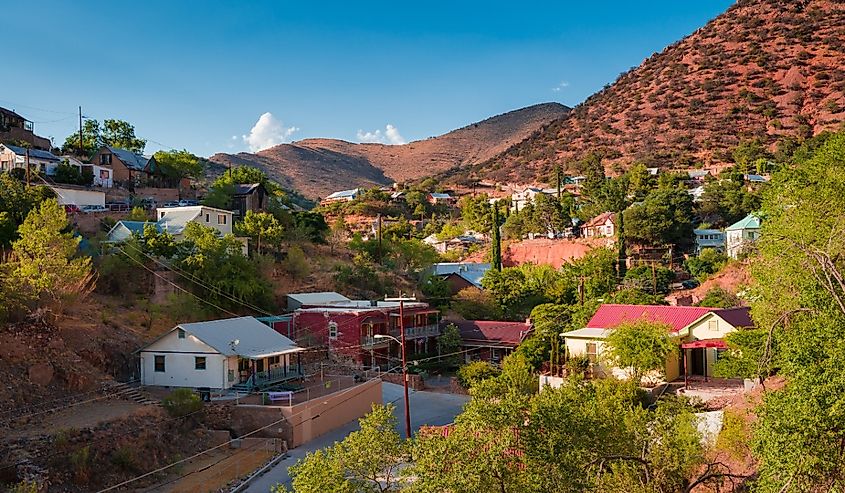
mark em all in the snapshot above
pixel 187 203
pixel 148 203
pixel 690 284
pixel 72 209
pixel 171 204
pixel 94 208
pixel 118 206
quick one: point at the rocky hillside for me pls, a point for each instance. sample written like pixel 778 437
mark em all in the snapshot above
pixel 763 69
pixel 316 167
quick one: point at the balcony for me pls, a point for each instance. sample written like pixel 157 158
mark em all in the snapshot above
pixel 369 342
pixel 421 331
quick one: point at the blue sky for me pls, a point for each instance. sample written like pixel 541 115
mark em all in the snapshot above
pixel 200 75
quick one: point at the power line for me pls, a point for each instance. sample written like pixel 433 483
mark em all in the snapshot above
pixel 37 108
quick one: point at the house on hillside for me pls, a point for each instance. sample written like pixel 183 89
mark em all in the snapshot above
pixel 489 340
pixel 365 331
pixel 436 198
pixel 462 242
pixel 601 226
pixel 220 354
pixel 526 196
pixel 42 162
pixel 103 176
pixel 15 128
pixel 342 196
pixel 173 220
pixel 698 331
pixel 249 197
pixel 127 166
pixel 709 238
pixel 459 275
pixel 310 300
pixel 741 236
pixel 78 195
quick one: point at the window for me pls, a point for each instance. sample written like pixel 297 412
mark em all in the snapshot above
pixel 207 218
pixel 592 353
pixel 332 330
pixel 105 159
pixel 159 363
pixel 199 363
pixel 221 218
pixel 494 354
pixel 713 325
pixel 161 214
pixel 180 333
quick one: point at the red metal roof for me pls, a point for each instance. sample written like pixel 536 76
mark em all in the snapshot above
pixel 511 333
pixel 705 343
pixel 677 317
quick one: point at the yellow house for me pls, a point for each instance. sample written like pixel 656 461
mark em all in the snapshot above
pixel 698 331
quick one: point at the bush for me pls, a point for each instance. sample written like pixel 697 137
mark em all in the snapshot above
pixel 734 436
pixel 471 374
pixel 124 458
pixel 296 263
pixel 475 304
pixel 719 298
pixel 647 277
pixel 80 460
pixel 709 261
pixel 182 402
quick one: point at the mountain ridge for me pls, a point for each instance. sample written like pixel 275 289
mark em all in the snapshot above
pixel 318 166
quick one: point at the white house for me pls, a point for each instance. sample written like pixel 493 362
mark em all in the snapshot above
pixel 440 198
pixel 741 235
pixel 43 162
pixel 220 354
pixel 601 226
pixel 342 196
pixel 174 219
pixel 103 177
pixel 709 238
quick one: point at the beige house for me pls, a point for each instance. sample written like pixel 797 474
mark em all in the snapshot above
pixel 601 226
pixel 698 331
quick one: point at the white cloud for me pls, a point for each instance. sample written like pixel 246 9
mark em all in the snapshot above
pixel 563 85
pixel 267 132
pixel 390 135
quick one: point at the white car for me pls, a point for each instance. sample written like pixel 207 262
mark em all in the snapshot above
pixel 94 208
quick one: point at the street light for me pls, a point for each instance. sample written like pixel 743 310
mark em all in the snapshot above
pixel 402 299
pixel 404 378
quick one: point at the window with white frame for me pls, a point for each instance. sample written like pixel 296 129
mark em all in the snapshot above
pixel 158 363
pixel 221 218
pixel 332 330
pixel 199 363
pixel 180 333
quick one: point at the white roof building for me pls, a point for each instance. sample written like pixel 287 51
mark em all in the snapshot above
pixel 219 354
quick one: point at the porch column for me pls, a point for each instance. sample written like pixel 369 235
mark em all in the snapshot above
pixel 686 369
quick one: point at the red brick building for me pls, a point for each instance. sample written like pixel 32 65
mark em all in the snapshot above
pixel 349 328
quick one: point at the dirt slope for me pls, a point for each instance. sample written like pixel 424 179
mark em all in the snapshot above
pixel 764 68
pixel 316 167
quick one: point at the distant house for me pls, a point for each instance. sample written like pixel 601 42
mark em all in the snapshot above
pixel 755 179
pixel 601 226
pixel 102 175
pixel 220 354
pixel 249 197
pixel 697 175
pixel 697 193
pixel 460 275
pixel 436 198
pixel 128 166
pixel 173 220
pixel 462 242
pixel 14 127
pixel 709 238
pixel 489 340
pixel 698 331
pixel 741 235
pixel 342 196
pixel 43 162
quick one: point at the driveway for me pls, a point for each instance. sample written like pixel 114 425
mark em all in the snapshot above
pixel 427 408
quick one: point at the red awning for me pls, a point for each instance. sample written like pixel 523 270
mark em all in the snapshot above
pixel 704 343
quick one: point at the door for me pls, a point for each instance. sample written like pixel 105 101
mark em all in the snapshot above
pixel 697 361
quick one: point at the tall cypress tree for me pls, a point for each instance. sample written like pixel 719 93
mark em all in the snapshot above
pixel 496 238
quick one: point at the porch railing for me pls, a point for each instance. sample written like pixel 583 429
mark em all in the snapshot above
pixel 276 374
pixel 431 330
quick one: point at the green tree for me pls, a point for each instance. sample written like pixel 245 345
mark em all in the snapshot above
pixel 639 347
pixel 338 233
pixel 476 304
pixel 121 134
pixel 182 402
pixel 437 291
pixel 717 297
pixel 471 374
pixel 664 217
pixel 495 241
pixel 45 257
pixel 90 140
pixel 449 342
pixel 727 200
pixel 747 152
pixel 65 173
pixel 366 461
pixel 260 226
pixel 709 261
pixel 177 165
pixel 16 201
pixel 650 278
pixel 636 296
pixel 137 214
pixel 476 212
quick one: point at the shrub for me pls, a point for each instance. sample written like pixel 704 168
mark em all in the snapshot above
pixel 124 458
pixel 475 304
pixel 80 460
pixel 734 436
pixel 296 263
pixel 472 373
pixel 182 402
pixel 719 298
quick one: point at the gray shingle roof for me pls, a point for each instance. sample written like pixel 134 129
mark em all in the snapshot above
pixel 254 339
pixel 34 153
pixel 130 159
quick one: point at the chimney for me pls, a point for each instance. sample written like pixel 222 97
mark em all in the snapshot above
pixel 373 302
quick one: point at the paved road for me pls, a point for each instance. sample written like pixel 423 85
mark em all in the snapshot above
pixel 427 408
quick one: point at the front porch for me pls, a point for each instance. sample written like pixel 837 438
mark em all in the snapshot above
pixel 267 371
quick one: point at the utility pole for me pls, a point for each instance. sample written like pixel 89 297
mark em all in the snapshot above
pixel 80 131
pixel 26 157
pixel 402 299
pixel 653 278
pixel 378 234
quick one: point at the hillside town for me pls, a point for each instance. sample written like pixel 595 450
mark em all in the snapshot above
pixel 520 304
